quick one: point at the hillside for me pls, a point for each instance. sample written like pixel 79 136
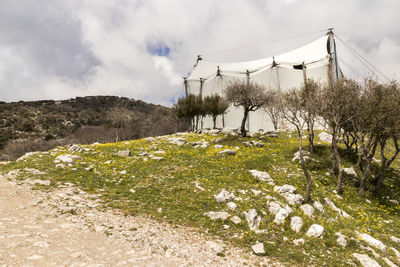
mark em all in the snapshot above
pixel 245 191
pixel 33 125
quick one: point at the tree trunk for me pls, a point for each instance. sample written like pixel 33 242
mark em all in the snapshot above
pixel 310 131
pixel 243 126
pixel 303 166
pixel 215 121
pixel 368 159
pixel 385 165
pixel 364 178
pixel 338 161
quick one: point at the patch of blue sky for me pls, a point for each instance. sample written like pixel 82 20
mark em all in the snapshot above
pixel 158 49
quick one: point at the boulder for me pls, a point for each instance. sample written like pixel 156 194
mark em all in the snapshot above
pixel 218 146
pixel 282 214
pixel 341 240
pixel 224 196
pixel 315 230
pixel 252 218
pixel 306 155
pixel 217 215
pixel 318 206
pixel 179 141
pixel 296 223
pixel 258 249
pixel 227 152
pixel 27 155
pixel 236 220
pixel 325 137
pixel 396 252
pixel 350 171
pixel 67 158
pixel 123 153
pixel 214 132
pixel 286 188
pixel 273 207
pixel 365 260
pixel 231 205
pixel 395 239
pixel 293 199
pixel 340 212
pixel 262 176
pixel 150 139
pixel 307 209
pixel 372 241
pixel 247 144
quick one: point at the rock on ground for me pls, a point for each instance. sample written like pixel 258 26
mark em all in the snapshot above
pixel 318 206
pixel 315 230
pixel 258 249
pixel 296 223
pixel 307 209
pixel 373 242
pixel 341 240
pixel 299 241
pixel 252 218
pixel 282 214
pixel 365 260
pixel 230 152
pixel 217 215
pixel 262 176
pixel 325 137
pixel 224 196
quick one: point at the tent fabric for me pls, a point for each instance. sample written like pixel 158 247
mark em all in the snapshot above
pixel 280 72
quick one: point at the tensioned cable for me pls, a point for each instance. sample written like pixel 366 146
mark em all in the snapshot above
pixel 361 57
pixel 351 69
pixel 261 43
pixel 176 93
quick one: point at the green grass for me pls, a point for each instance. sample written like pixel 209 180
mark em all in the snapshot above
pixel 170 184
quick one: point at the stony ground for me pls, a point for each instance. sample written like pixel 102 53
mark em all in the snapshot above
pixel 68 227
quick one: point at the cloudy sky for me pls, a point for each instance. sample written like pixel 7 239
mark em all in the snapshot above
pixel 142 49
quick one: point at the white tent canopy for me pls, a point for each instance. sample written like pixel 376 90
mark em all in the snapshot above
pixel 316 60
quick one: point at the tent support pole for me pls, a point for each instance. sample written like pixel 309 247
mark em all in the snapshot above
pixel 186 86
pixel 303 67
pixel 201 87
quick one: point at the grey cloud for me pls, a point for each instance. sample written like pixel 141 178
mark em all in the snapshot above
pixel 60 49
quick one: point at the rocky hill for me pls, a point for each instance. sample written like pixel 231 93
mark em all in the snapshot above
pixel 34 125
pixel 246 192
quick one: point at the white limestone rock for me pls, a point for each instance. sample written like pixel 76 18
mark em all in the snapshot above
pixel 365 260
pixel 273 207
pixel 67 158
pixel 296 223
pixel 307 209
pixel 214 132
pixel 389 262
pixel 286 188
pixel 262 176
pixel 258 249
pixel 293 199
pixel 236 220
pixel 41 182
pixel 252 218
pixel 340 212
pixel 396 252
pixel 306 155
pixel 27 155
pixel 341 240
pixel 224 196
pixel 231 205
pixel 123 153
pixel 282 214
pixel 214 246
pixel 325 137
pixel 179 141
pixel 372 241
pixel 315 230
pixel 217 215
pixel 218 146
pixel 395 239
pixel 318 206
pixel 350 171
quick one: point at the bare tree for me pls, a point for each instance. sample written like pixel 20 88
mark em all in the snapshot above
pixel 251 96
pixel 336 107
pixel 293 112
pixel 272 107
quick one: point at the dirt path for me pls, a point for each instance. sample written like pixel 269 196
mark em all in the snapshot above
pixel 66 228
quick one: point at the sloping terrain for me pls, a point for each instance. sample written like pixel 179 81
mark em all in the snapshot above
pixel 34 125
pixel 244 191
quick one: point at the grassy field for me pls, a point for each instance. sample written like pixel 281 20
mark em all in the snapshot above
pixel 171 189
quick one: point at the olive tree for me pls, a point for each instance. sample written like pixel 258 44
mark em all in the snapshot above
pixel 272 107
pixel 251 96
pixel 215 105
pixel 293 111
